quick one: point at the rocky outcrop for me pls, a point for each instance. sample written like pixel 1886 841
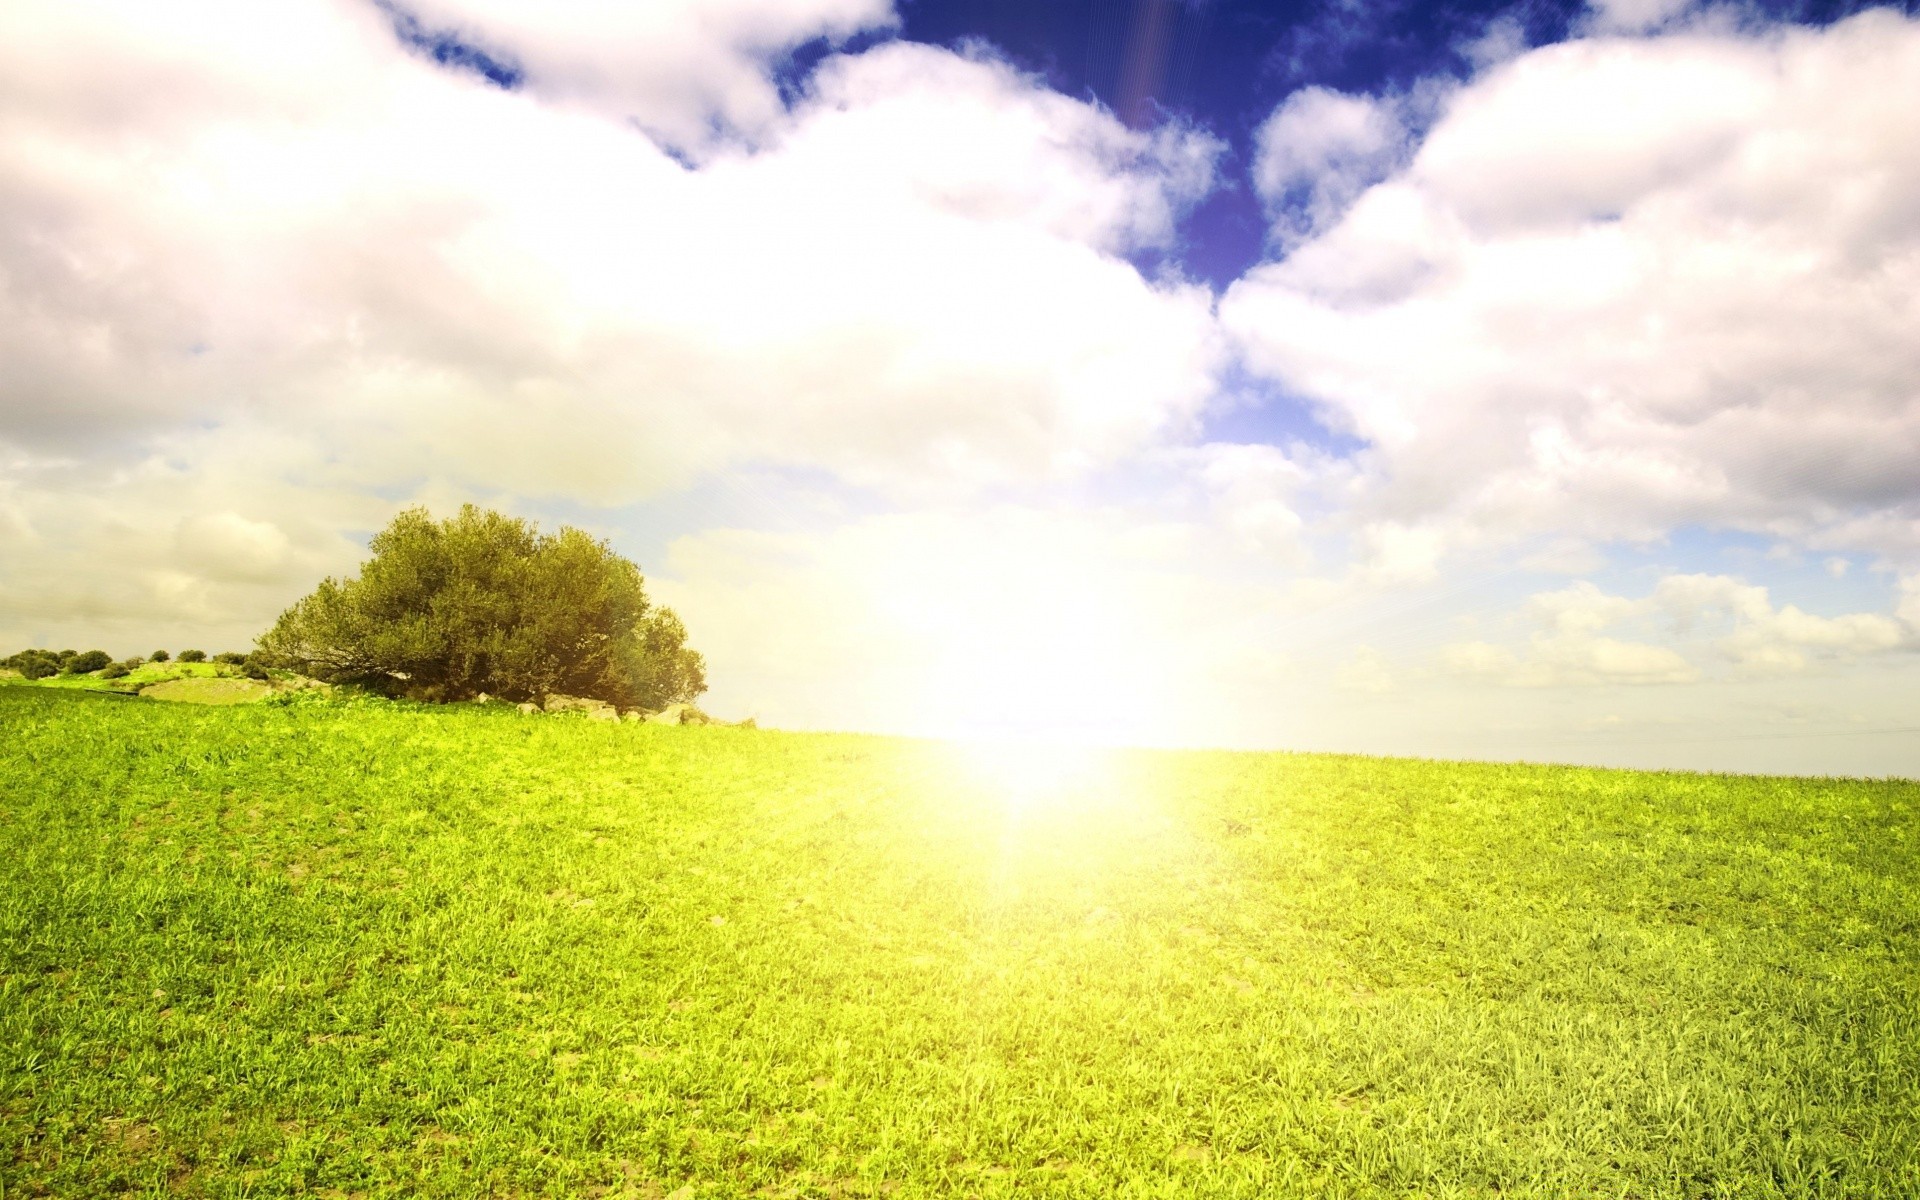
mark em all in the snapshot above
pixel 598 709
pixel 679 714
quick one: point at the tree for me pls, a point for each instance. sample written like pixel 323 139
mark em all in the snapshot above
pixel 157 656
pixel 90 661
pixel 483 602
pixel 193 656
pixel 34 664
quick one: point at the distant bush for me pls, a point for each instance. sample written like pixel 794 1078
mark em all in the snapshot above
pixel 63 657
pixel 158 656
pixel 118 670
pixel 230 658
pixel 33 664
pixel 254 666
pixel 483 602
pixel 88 662
pixel 193 656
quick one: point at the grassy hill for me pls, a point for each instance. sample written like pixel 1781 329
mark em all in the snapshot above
pixel 189 682
pixel 371 950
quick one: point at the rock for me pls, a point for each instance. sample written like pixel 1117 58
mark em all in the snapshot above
pixel 483 698
pixel 678 714
pixel 633 715
pixel 582 704
pixel 528 706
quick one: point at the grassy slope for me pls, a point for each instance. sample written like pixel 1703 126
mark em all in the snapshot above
pixel 200 674
pixel 378 951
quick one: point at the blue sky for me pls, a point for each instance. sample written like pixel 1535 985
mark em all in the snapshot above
pixel 1510 381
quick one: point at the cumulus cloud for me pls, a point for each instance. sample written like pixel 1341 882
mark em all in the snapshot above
pixel 1629 284
pixel 1735 619
pixel 678 68
pixel 286 221
pixel 1318 150
pixel 1633 16
pixel 1778 639
pixel 1568 660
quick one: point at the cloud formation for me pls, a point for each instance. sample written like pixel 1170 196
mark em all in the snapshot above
pixel 228 218
pixel 684 70
pixel 1630 284
pixel 1736 620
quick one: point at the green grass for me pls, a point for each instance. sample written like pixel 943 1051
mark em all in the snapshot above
pixel 349 950
pixel 201 677
pixel 208 691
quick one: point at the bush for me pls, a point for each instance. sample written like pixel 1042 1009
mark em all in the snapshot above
pixel 87 663
pixel 254 666
pixel 118 670
pixel 193 656
pixel 486 603
pixel 158 656
pixel 229 658
pixel 33 664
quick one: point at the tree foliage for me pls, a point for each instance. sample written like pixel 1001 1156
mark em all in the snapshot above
pixel 87 662
pixel 483 602
pixel 33 664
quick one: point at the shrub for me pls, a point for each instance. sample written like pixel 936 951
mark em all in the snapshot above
pixel 34 664
pixel 254 666
pixel 229 658
pixel 193 656
pixel 118 670
pixel 83 664
pixel 486 603
pixel 158 656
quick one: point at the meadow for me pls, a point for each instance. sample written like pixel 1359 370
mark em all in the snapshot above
pixel 362 949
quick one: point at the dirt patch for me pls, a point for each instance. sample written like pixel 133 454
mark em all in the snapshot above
pixel 208 691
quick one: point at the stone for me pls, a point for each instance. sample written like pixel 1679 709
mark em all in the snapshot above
pixel 678 714
pixel 528 706
pixel 581 704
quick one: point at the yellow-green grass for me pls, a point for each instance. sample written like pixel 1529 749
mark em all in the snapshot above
pixel 372 950
pixel 141 678
pixel 208 691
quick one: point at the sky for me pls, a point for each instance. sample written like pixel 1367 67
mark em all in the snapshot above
pixel 1470 381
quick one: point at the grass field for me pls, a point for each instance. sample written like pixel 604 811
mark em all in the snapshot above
pixel 368 950
pixel 195 682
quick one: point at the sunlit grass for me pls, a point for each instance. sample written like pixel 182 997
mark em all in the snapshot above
pixel 375 951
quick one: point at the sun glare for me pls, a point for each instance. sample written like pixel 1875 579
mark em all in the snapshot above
pixel 1021 649
pixel 1027 775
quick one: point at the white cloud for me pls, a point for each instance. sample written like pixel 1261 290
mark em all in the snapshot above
pixel 1568 659
pixel 1633 16
pixel 1631 284
pixel 1778 639
pixel 282 219
pixel 1581 609
pixel 1737 619
pixel 674 66
pixel 1318 150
